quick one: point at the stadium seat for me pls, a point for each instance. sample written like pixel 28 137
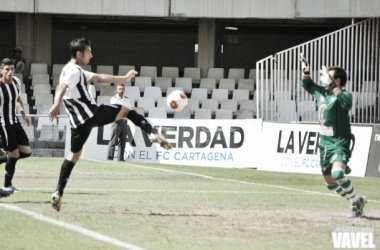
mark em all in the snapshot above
pixel 24 97
pixel 20 76
pixel 240 94
pixel 40 79
pixel 57 69
pixel 209 84
pixel 43 109
pixel 198 93
pixel 227 84
pixel 164 83
pixel 41 89
pixel 30 132
pixel 216 73
pixel 158 112
pixel 45 120
pixel 203 114
pixel 366 99
pixel 219 94
pixel 87 67
pixel 183 114
pixel 140 111
pixel 244 114
pixel 192 104
pixel 105 69
pixel 154 92
pixel 124 69
pixel 142 82
pixel 162 104
pixel 108 90
pixel 146 103
pixel 236 74
pixel 252 74
pixel 248 105
pixel 229 104
pixel 43 99
pixel 103 99
pixel 287 111
pixel 246 84
pixel 285 95
pixel 148 71
pixel 223 114
pixel 55 81
pixel 171 89
pixel 211 104
pixel 132 92
pixel 185 84
pixel 38 68
pixel 194 74
pixel 304 106
pixel 49 133
pixel 171 72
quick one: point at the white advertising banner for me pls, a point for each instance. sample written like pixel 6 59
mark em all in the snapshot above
pixel 214 143
pixel 294 148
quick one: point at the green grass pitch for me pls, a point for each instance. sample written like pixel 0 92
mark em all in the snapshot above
pixel 148 206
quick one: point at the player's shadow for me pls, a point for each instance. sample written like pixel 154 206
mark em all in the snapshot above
pixel 31 202
pixel 370 218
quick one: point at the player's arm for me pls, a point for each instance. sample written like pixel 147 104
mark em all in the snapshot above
pixel 21 109
pixel 344 99
pixel 307 82
pixel 54 110
pixel 113 79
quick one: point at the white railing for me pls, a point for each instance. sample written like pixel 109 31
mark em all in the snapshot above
pixel 280 96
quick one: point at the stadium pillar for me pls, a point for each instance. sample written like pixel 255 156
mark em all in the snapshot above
pixel 209 45
pixel 33 35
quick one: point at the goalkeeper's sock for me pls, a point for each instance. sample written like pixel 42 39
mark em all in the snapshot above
pixel 10 169
pixel 345 183
pixel 66 168
pixel 337 189
pixel 140 121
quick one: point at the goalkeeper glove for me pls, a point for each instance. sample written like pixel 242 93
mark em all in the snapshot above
pixel 326 79
pixel 305 65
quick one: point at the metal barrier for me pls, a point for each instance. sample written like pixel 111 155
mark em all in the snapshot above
pixel 280 96
pixel 46 138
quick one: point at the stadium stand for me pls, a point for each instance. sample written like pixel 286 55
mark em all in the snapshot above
pixel 184 83
pixel 216 73
pixel 158 112
pixel 171 72
pixel 209 84
pixel 164 83
pixel 183 114
pixel 203 114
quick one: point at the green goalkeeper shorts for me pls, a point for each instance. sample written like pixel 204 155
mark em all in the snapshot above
pixel 329 156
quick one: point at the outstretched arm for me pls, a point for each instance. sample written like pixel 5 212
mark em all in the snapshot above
pixel 113 79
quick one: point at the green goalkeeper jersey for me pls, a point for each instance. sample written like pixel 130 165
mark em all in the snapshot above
pixel 333 115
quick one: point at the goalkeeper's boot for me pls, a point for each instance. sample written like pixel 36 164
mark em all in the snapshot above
pixel 155 137
pixel 56 201
pixel 15 190
pixel 347 170
pixel 5 192
pixel 357 208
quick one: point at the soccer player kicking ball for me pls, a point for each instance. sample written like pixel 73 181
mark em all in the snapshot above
pixel 84 113
pixel 335 131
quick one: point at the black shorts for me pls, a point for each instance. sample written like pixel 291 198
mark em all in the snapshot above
pixel 13 136
pixel 104 115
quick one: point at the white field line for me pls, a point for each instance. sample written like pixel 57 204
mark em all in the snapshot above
pixel 71 227
pixel 234 181
pixel 76 190
pixel 86 173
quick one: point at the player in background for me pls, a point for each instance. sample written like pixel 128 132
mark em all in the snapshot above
pixel 334 104
pixel 15 141
pixel 84 113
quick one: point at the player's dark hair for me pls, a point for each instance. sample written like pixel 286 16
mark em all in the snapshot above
pixel 5 61
pixel 339 73
pixel 120 84
pixel 78 44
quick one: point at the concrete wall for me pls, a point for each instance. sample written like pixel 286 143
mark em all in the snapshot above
pixel 157 8
pixel 138 48
pixel 237 9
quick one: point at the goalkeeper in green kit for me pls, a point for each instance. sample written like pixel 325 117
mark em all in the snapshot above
pixel 335 131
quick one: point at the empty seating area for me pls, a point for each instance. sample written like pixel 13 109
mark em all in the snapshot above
pixel 219 94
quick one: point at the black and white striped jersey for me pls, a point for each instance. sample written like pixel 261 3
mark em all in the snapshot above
pixel 9 93
pixel 80 106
